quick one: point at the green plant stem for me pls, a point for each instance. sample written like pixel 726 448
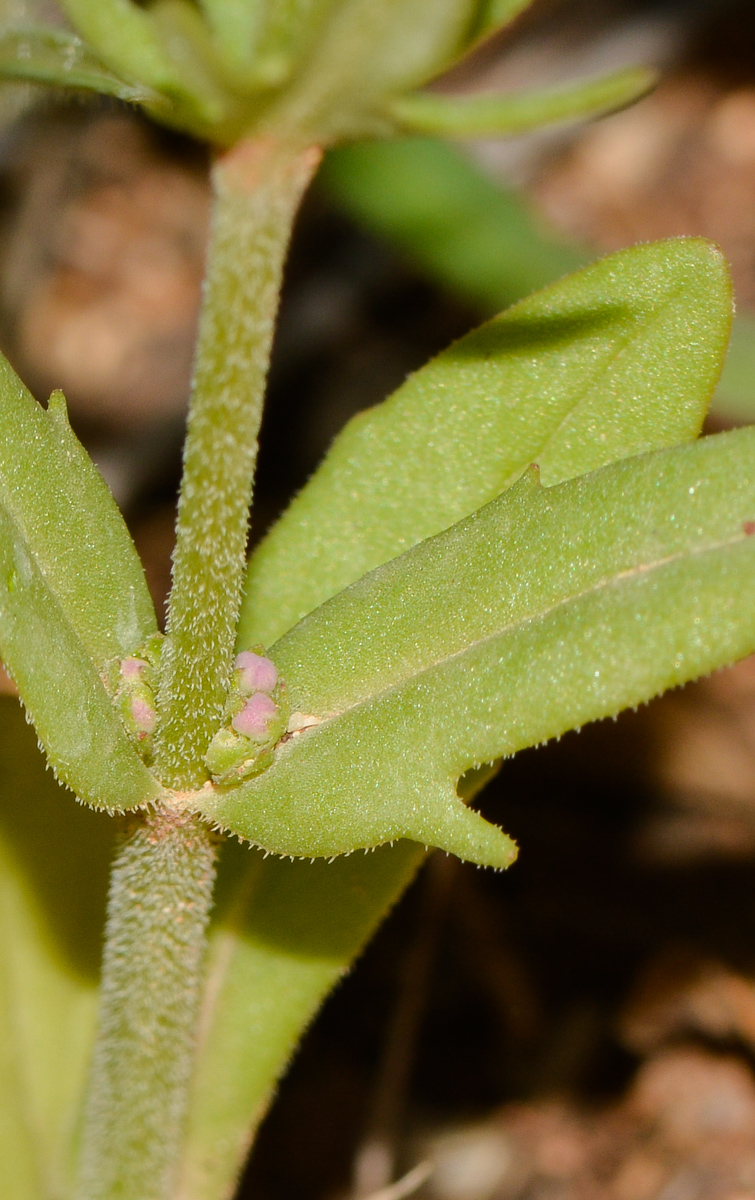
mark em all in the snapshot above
pixel 162 880
pixel 257 189
pixel 159 904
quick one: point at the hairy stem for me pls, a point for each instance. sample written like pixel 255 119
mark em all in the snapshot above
pixel 161 886
pixel 258 186
pixel 159 904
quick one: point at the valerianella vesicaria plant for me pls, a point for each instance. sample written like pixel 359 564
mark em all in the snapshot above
pixel 525 537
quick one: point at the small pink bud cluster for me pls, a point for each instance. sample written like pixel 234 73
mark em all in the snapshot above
pixel 137 695
pixel 256 717
pixel 256 714
pixel 258 677
pixel 133 668
pixel 130 682
pixel 256 673
pixel 144 716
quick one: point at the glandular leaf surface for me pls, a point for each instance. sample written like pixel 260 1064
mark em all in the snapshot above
pixel 616 359
pixel 548 608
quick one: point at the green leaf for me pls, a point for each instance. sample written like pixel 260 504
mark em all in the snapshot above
pixel 188 43
pixel 366 51
pixel 507 114
pixel 735 396
pixel 496 14
pixel 274 920
pixel 81 731
pixel 548 608
pixel 72 596
pixel 124 37
pixel 57 500
pixel 426 197
pixel 235 25
pixel 53 56
pixel 287 31
pixel 53 879
pixel 282 936
pixel 619 358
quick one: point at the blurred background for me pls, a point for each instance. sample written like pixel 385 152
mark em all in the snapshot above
pixel 584 1026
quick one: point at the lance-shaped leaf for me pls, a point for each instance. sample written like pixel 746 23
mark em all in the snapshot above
pixel 618 358
pixel 56 500
pixel 491 115
pixel 235 25
pixel 72 596
pixel 56 57
pixel 54 861
pixel 548 608
pixel 263 41
pixel 81 731
pixel 185 35
pixel 124 36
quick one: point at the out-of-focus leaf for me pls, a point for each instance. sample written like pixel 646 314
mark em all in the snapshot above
pixel 495 14
pixel 506 114
pixel 548 608
pixel 53 56
pixel 235 25
pixel 287 31
pixel 619 358
pixel 481 241
pixel 186 38
pixel 54 859
pixel 123 35
pixel 369 50
pixel 427 197
pixel 735 396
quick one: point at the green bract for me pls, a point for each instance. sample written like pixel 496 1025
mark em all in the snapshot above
pixel 319 70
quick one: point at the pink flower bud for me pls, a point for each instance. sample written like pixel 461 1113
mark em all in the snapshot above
pixel 144 715
pixel 256 717
pixel 258 674
pixel 131 668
